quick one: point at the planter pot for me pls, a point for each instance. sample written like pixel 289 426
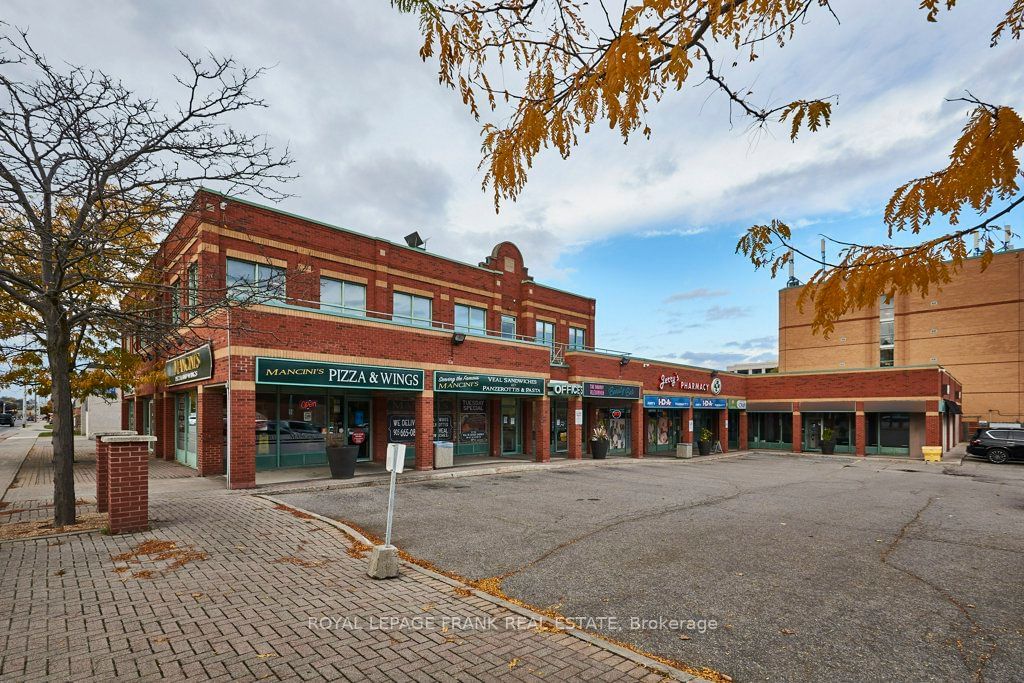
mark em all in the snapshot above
pixel 342 460
pixel 704 447
pixel 599 450
pixel 828 447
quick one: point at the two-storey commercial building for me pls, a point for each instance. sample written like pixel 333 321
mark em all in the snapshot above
pixel 382 342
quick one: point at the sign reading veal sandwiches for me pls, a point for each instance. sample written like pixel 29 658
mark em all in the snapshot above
pixel 308 373
pixel 488 384
pixel 193 366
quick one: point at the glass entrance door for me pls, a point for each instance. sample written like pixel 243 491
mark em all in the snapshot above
pixel 357 415
pixel 511 442
pixel 185 428
pixel 812 433
pixel 559 426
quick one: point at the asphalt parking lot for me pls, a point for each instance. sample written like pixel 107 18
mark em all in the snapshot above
pixel 812 568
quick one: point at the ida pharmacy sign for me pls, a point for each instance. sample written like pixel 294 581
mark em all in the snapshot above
pixel 193 366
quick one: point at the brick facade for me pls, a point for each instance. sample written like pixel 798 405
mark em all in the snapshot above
pixel 302 329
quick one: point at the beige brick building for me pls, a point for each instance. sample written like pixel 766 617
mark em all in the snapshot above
pixel 972 327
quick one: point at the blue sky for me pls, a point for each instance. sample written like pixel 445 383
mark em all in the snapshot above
pixel 648 229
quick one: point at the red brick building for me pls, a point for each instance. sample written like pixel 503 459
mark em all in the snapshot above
pixel 371 340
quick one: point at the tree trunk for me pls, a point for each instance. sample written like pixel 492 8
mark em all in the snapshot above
pixel 57 350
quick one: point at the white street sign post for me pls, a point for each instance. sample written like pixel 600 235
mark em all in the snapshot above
pixel 384 558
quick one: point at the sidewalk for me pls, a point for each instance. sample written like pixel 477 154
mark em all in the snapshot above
pixel 226 587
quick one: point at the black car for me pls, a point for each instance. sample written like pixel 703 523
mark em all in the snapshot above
pixel 6 420
pixel 998 444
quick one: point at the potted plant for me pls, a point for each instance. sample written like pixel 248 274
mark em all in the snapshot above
pixel 341 456
pixel 828 441
pixel 704 442
pixel 599 443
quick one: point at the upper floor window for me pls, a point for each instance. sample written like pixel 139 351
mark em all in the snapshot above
pixel 193 288
pixel 508 326
pixel 176 302
pixel 341 295
pixel 577 338
pixel 545 332
pixel 470 319
pixel 261 281
pixel 412 309
pixel 886 333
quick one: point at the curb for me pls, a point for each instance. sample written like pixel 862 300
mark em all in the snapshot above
pixel 597 641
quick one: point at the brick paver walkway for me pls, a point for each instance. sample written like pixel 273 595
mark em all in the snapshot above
pixel 233 599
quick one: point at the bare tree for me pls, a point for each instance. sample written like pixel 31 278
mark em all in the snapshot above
pixel 92 176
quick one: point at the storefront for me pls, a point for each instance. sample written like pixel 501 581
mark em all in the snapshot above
pixel 560 392
pixel 770 425
pixel 823 420
pixel 736 408
pixel 473 402
pixel 298 403
pixel 188 368
pixel 611 405
pixel 665 422
pixel 706 417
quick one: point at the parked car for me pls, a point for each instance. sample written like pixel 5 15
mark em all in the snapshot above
pixel 6 420
pixel 998 445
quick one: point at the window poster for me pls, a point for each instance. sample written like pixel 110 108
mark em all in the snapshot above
pixel 617 433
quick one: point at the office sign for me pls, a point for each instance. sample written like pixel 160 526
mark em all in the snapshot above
pixel 666 401
pixel 488 384
pixel 193 366
pixel 737 404
pixel 306 373
pixel 712 403
pixel 560 388
pixel 603 390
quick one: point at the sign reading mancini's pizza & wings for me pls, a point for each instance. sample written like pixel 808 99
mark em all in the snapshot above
pixel 193 366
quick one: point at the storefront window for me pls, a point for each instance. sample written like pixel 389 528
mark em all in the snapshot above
pixel 472 425
pixel 663 430
pixel 770 430
pixel 559 425
pixel 617 422
pixel 888 430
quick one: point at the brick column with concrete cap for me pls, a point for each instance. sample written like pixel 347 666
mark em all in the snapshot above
pixel 128 487
pixel 743 440
pixel 637 428
pixel 102 477
pixel 575 435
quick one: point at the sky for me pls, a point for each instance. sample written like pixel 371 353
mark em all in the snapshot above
pixel 648 229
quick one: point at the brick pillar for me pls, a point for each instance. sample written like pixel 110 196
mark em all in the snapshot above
pixel 165 421
pixel 744 431
pixel 210 430
pixel 932 424
pixel 124 414
pixel 102 467
pixel 425 431
pixel 685 436
pixel 494 439
pixel 157 426
pixel 798 432
pixel 723 429
pixel 541 411
pixel 636 426
pixel 241 467
pixel 527 427
pixel 380 430
pixel 575 435
pixel 128 487
pixel 860 430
